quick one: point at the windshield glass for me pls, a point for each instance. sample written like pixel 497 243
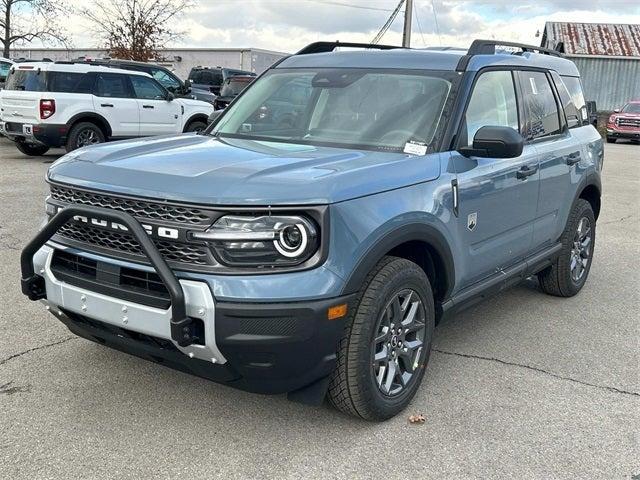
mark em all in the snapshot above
pixel 28 80
pixel 363 108
pixel 631 108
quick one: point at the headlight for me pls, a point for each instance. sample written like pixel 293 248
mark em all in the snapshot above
pixel 262 241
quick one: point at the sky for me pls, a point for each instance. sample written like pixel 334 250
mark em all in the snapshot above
pixel 288 25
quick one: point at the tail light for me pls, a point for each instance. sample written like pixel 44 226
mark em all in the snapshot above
pixel 47 108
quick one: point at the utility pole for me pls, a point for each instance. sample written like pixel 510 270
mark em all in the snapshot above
pixel 406 32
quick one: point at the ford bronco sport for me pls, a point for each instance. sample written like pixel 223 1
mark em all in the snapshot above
pixel 313 257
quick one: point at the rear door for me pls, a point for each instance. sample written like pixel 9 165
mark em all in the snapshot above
pixel 158 115
pixel 114 100
pixel 497 197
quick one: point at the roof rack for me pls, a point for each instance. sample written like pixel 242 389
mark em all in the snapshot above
pixel 324 47
pixel 488 47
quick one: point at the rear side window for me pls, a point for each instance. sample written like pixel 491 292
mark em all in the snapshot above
pixel 541 110
pixel 112 85
pixel 27 80
pixel 70 82
pixel 492 103
pixel 577 97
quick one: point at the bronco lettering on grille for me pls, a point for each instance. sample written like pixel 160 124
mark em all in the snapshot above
pixel 162 232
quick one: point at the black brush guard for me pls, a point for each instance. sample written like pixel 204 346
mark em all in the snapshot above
pixel 183 330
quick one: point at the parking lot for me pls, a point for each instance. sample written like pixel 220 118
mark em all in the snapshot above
pixel 521 386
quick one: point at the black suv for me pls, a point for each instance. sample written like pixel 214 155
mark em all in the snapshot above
pixel 212 78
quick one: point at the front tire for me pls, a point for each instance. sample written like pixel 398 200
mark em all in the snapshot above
pixel 195 126
pixel 31 149
pixel 384 352
pixel 568 274
pixel 83 134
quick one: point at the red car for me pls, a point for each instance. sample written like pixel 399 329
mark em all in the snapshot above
pixel 624 122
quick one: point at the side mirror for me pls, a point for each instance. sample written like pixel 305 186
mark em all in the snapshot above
pixel 495 142
pixel 170 96
pixel 214 116
pixel 617 110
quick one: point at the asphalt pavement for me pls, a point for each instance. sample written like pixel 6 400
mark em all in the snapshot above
pixel 523 386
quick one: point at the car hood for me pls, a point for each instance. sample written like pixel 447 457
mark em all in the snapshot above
pixel 204 169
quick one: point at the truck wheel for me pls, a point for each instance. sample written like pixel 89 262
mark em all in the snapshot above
pixel 611 140
pixel 568 274
pixel 31 149
pixel 195 126
pixel 83 134
pixel 385 348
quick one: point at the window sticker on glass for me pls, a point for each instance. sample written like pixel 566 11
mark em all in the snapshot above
pixel 415 148
pixel 534 89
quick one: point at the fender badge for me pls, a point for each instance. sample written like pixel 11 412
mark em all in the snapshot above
pixel 472 221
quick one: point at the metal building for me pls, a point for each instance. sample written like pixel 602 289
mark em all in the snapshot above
pixel 607 56
pixel 180 60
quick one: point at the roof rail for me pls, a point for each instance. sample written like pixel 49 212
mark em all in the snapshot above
pixel 488 47
pixel 31 60
pixel 324 47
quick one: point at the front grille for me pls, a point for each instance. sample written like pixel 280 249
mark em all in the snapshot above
pixel 137 208
pixel 628 122
pixel 123 242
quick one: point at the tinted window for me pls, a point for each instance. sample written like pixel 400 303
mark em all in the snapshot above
pixel 542 118
pixel 166 80
pixel 206 77
pixel 571 112
pixel 68 82
pixel 27 80
pixel 147 88
pixel 577 97
pixel 493 103
pixel 4 70
pixel 112 85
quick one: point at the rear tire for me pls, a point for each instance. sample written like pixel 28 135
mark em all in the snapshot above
pixel 611 140
pixel 384 351
pixel 84 134
pixel 31 149
pixel 195 126
pixel 568 274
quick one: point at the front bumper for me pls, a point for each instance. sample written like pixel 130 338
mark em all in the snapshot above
pixel 629 134
pixel 260 347
pixel 51 135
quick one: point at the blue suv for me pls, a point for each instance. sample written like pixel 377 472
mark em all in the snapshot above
pixel 312 252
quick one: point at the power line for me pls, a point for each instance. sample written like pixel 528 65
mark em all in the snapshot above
pixel 340 4
pixel 415 12
pixel 386 26
pixel 435 18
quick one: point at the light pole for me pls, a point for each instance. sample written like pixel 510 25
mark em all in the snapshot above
pixel 406 32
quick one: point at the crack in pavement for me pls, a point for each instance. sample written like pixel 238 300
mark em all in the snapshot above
pixel 16 355
pixel 617 220
pixel 539 370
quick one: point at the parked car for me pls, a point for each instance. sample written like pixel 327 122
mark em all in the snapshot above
pixel 5 65
pixel 231 88
pixel 211 78
pixel 315 257
pixel 624 123
pixel 162 74
pixel 71 105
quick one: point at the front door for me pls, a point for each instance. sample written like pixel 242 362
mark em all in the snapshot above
pixel 158 115
pixel 497 197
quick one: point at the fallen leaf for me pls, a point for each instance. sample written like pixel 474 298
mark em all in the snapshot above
pixel 417 419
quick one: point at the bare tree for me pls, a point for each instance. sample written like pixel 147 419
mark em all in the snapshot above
pixel 136 29
pixel 29 20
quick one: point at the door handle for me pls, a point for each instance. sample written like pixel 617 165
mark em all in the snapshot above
pixel 106 104
pixel 573 158
pixel 525 172
pixel 147 106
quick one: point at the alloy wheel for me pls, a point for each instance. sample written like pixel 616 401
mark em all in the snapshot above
pixel 87 137
pixel 398 342
pixel 581 250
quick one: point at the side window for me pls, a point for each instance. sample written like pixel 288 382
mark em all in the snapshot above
pixel 147 89
pixel 577 97
pixel 71 82
pixel 112 85
pixel 541 110
pixel 493 103
pixel 570 110
pixel 166 80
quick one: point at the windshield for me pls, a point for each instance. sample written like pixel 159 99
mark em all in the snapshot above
pixel 363 108
pixel 631 108
pixel 28 80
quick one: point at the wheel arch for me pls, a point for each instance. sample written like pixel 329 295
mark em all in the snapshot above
pixel 94 118
pixel 591 193
pixel 196 117
pixel 421 243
